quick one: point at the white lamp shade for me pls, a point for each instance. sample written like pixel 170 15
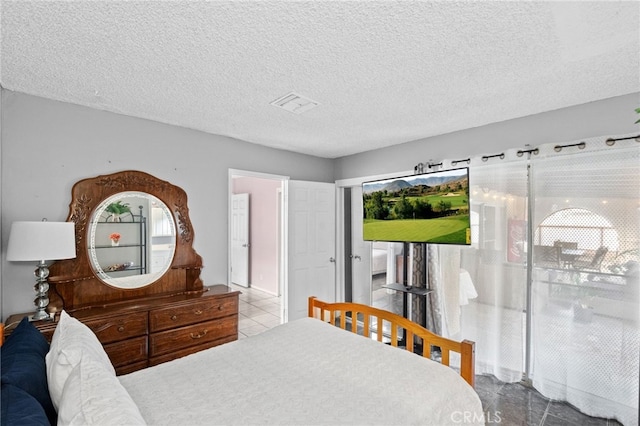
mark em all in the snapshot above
pixel 41 241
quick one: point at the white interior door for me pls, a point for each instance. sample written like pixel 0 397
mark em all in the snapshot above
pixel 311 255
pixel 360 252
pixel 240 239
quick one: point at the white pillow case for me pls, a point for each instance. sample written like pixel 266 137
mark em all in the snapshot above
pixel 72 341
pixel 93 396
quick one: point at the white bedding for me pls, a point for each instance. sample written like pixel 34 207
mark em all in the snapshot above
pixel 305 372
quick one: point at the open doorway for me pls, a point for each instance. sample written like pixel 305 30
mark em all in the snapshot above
pixel 255 239
pixel 256 225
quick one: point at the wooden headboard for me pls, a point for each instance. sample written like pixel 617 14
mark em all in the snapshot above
pixel 334 312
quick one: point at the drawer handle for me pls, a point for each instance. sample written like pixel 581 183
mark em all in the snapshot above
pixel 121 328
pixel 220 307
pixel 198 335
pixel 197 312
pixel 173 317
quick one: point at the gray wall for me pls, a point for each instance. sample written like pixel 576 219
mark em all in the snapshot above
pixel 47 146
pixel 612 116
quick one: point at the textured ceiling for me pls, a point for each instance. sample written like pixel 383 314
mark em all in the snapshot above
pixel 383 72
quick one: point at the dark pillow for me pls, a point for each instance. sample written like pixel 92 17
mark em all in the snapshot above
pixel 23 364
pixel 20 408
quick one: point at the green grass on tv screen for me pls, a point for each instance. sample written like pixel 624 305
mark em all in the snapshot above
pixel 445 230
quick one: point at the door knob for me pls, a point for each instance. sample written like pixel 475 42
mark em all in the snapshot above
pixel 332 260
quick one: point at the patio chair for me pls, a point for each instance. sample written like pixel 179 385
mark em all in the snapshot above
pixel 593 264
pixel 546 256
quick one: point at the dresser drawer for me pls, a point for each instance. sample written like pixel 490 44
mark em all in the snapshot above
pixel 130 368
pixel 127 351
pixel 113 329
pixel 192 335
pixel 191 313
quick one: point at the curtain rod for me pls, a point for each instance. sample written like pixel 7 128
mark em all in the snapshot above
pixel 580 145
pixel 486 157
pixel 609 142
pixel 419 168
pixel 612 141
pixel 467 160
pixel 535 151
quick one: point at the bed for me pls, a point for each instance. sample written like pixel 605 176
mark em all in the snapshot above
pixel 303 372
pixel 307 371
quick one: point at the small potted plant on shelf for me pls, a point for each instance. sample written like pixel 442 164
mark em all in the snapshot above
pixel 117 209
pixel 115 238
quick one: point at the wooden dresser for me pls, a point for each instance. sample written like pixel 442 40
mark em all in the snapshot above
pixel 151 331
pixel 149 315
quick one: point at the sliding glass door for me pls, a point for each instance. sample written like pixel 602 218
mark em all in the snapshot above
pixel 549 288
pixel 585 305
pixel 555 264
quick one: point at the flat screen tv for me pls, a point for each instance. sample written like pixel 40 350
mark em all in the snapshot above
pixel 422 208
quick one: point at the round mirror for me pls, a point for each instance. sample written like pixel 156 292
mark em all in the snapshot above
pixel 132 238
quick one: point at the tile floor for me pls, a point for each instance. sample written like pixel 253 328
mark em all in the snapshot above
pixel 258 311
pixel 515 404
pixel 504 403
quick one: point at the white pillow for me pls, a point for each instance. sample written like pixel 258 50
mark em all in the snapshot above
pixel 92 396
pixel 71 342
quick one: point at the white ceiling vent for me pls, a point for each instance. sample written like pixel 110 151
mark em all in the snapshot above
pixel 295 103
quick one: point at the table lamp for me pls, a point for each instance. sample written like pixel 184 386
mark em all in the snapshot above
pixel 41 241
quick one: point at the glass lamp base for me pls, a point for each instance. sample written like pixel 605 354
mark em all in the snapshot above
pixel 40 316
pixel 42 297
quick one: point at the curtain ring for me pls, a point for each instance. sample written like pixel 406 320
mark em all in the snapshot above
pixel 520 153
pixel 455 162
pixel 486 157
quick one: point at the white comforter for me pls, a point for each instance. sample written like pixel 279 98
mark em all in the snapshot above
pixel 305 372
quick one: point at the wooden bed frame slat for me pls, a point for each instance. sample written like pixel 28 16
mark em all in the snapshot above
pixel 445 357
pixel 466 348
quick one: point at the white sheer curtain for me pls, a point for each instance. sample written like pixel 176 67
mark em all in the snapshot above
pixel 443 311
pixel 492 280
pixel 584 200
pixel 564 223
pixel 586 314
pixel 479 291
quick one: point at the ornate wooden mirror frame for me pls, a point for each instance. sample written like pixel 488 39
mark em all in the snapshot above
pixel 73 283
